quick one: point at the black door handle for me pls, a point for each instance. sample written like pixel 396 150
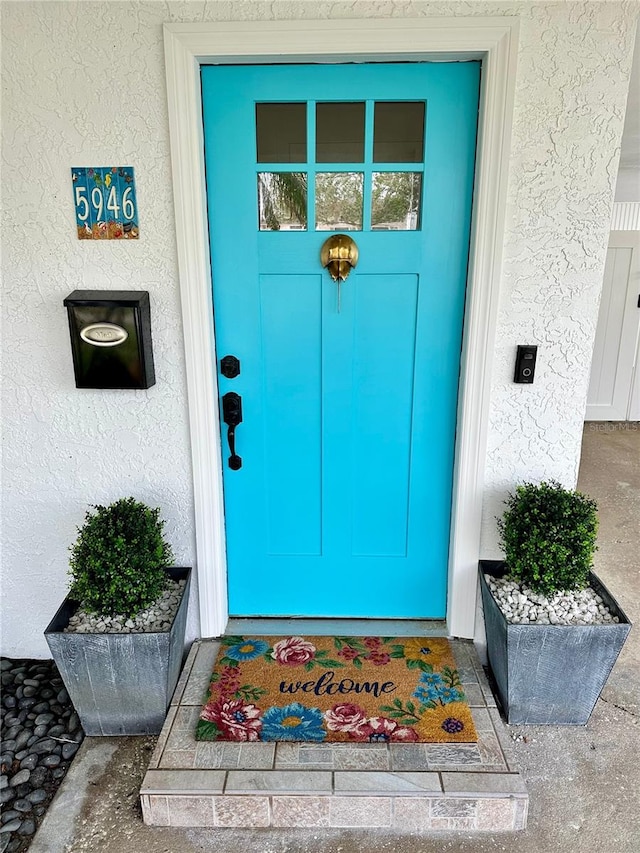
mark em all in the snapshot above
pixel 232 416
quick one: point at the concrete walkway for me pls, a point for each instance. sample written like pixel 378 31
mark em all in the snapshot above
pixel 584 783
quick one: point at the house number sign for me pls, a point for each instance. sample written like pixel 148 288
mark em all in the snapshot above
pixel 105 199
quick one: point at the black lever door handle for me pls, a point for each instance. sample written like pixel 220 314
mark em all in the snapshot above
pixel 232 416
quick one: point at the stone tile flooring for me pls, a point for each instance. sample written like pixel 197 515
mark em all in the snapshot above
pixel 404 787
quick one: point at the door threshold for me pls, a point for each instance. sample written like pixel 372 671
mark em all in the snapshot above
pixel 282 626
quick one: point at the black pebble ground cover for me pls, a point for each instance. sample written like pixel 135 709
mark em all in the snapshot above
pixel 40 733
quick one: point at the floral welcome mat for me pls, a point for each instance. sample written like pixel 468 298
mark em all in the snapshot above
pixel 349 689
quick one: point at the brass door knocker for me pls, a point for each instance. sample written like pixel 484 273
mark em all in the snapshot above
pixel 339 254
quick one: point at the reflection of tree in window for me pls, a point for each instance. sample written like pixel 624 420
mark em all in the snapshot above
pixel 395 201
pixel 282 201
pixel 339 201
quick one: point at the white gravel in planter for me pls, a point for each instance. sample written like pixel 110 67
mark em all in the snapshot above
pixel 523 606
pixel 158 617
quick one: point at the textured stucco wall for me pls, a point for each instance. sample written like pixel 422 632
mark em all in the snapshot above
pixel 83 85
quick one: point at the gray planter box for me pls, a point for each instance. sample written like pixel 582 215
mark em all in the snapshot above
pixel 550 674
pixel 120 684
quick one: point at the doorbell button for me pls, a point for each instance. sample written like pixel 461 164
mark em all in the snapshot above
pixel 525 364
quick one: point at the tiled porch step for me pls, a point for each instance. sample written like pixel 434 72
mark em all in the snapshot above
pixel 317 798
pixel 403 787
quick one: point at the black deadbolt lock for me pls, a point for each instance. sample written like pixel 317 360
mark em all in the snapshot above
pixel 230 366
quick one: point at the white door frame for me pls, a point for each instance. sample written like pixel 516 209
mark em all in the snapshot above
pixel 187 46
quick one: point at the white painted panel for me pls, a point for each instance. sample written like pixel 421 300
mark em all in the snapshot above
pixel 614 355
pixel 607 367
pixel 634 300
pixel 634 405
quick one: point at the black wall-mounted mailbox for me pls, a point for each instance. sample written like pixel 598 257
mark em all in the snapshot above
pixel 111 338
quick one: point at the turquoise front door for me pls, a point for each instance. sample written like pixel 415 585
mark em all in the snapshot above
pixel 338 495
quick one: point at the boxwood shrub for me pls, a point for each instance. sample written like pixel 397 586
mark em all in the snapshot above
pixel 118 561
pixel 549 537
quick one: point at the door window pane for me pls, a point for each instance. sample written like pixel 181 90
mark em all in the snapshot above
pixel 395 201
pixel 282 201
pixel 398 132
pixel 281 133
pixel 340 133
pixel 339 201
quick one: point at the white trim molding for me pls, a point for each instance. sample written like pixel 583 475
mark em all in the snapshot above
pixel 187 46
